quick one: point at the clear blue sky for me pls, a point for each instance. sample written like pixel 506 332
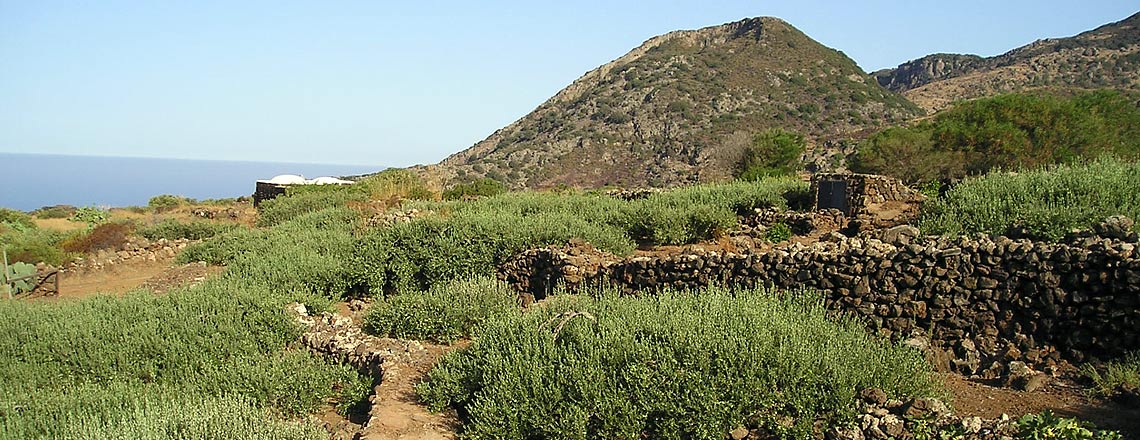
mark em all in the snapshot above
pixel 395 84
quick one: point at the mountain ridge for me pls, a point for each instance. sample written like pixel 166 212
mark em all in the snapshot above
pixel 1105 57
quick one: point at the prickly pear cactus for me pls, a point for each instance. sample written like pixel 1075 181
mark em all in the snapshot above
pixel 18 270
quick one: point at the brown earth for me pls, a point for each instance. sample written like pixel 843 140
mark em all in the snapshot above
pixel 1062 396
pixel 398 414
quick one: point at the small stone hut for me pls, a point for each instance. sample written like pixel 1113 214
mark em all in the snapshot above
pixel 856 194
pixel 270 189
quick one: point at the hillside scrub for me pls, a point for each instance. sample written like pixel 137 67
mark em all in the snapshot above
pixel 122 411
pixel 445 313
pixel 31 244
pixel 1005 132
pixel 472 237
pixel 1110 377
pixel 1048 202
pixel 676 365
pixel 307 255
pixel 221 339
pixel 389 187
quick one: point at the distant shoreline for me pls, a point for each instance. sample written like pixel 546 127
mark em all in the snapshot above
pixel 37 180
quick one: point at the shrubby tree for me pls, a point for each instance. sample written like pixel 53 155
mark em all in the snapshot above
pixel 1009 131
pixel 774 152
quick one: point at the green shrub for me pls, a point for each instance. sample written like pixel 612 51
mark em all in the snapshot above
pixel 124 411
pixel 1048 202
pixel 1046 426
pixel 32 245
pixel 393 185
pixel 193 230
pixel 1106 379
pixel 773 153
pixel 313 198
pixel 472 237
pixel 479 188
pixel 219 338
pixel 57 211
pixel 777 233
pixel 308 254
pixel 1009 131
pixel 92 215
pixel 14 217
pixel 166 202
pixel 678 365
pixel 414 256
pixel 443 314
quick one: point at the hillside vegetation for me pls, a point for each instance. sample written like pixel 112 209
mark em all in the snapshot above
pixel 1047 202
pixel 1005 132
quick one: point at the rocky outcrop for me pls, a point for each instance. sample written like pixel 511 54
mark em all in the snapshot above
pixel 977 304
pixel 928 69
pixel 1107 57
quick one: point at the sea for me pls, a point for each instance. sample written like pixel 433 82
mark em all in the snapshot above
pixel 31 181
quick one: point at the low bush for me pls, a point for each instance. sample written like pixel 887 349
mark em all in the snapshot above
pixel 1048 202
pixel 192 230
pixel 1005 132
pixel 52 212
pixel 32 245
pixel 313 199
pixel 415 256
pixel 123 411
pixel 1047 426
pixel 308 254
pixel 480 188
pixel 678 365
pixel 473 237
pixel 774 152
pixel 1109 377
pixel 443 314
pixel 110 236
pixel 220 338
pixel 14 217
pixel 92 215
pixel 166 202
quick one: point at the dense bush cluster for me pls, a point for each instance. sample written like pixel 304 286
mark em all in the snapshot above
pixel 471 238
pixel 676 365
pixel 774 152
pixel 1007 132
pixel 480 188
pixel 1047 202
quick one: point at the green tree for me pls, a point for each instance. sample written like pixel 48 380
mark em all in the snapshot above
pixel 774 152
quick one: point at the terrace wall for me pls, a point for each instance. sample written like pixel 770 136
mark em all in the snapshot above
pixel 977 303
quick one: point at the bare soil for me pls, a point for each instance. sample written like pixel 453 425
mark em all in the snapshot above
pixel 1062 396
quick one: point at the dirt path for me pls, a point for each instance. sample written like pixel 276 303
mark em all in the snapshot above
pixel 156 276
pixel 1061 396
pixel 397 413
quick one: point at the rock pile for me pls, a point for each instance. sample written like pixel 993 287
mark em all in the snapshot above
pixel 882 418
pixel 386 219
pixel 337 337
pixel 135 250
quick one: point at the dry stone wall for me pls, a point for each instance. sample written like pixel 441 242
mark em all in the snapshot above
pixel 978 303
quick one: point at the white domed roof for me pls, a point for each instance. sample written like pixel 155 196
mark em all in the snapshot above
pixel 330 181
pixel 288 179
